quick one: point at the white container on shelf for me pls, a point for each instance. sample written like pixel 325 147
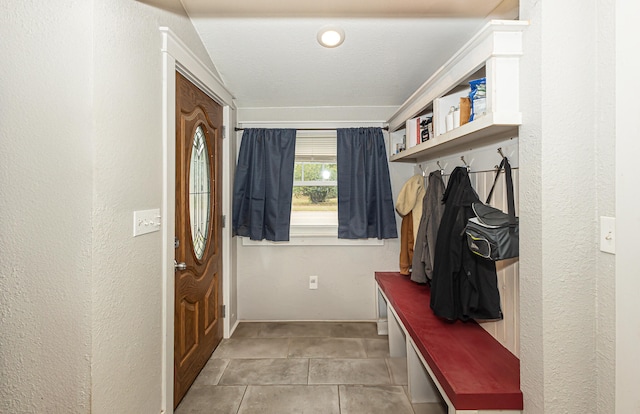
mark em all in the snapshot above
pixel 448 122
pixel 443 107
pixel 456 117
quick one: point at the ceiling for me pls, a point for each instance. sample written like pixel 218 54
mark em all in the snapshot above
pixel 267 54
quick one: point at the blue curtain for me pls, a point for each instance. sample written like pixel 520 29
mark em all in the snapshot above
pixel 263 184
pixel 365 202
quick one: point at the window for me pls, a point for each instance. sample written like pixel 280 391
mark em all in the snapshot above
pixel 314 209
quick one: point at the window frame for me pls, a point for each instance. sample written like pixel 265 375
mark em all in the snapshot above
pixel 300 227
pixel 304 234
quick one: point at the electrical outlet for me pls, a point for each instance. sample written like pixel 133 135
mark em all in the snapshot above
pixel 313 282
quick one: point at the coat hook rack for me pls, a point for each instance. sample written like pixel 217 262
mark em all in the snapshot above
pixel 465 163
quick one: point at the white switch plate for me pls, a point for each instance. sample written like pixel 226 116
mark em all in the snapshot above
pixel 146 221
pixel 313 282
pixel 608 234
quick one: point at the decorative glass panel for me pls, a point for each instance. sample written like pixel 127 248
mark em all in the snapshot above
pixel 199 192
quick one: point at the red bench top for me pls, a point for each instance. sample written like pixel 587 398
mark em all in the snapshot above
pixel 473 368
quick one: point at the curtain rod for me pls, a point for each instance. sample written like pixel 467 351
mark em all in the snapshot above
pixel 309 129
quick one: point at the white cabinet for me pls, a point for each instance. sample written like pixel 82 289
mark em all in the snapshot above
pixel 494 53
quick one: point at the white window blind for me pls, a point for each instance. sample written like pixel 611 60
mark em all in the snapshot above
pixel 315 146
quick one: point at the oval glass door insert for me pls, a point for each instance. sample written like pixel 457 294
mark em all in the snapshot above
pixel 199 192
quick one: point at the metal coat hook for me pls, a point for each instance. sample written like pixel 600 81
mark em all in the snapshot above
pixel 441 169
pixel 424 174
pixel 465 163
pixel 497 167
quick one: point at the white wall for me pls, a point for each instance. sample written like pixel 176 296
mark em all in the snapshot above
pixel 627 375
pixel 605 147
pixel 81 150
pixel 566 183
pixel 273 281
pixel 46 149
pixel 127 278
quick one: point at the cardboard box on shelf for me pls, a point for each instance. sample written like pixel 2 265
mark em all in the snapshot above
pixel 465 110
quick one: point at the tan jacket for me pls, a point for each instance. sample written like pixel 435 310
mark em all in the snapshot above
pixel 409 206
pixel 406 244
pixel 410 200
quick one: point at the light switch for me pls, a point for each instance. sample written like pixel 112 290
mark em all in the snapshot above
pixel 608 234
pixel 146 221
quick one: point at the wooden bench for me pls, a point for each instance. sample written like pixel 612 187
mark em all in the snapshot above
pixel 457 362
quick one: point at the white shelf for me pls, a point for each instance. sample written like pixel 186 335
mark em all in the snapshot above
pixel 490 127
pixel 496 48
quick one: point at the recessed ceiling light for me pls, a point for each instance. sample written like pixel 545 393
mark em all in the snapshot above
pixel 330 36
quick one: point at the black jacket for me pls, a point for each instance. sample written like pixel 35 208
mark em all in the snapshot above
pixel 464 285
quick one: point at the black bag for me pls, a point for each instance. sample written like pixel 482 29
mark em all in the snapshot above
pixel 492 234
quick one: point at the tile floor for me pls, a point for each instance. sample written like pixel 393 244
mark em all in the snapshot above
pixel 303 367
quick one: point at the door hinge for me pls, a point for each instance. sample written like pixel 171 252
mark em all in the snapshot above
pixel 176 243
pixel 224 221
pixel 224 311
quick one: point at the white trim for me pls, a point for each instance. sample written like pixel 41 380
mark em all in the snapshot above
pixel 317 183
pixel 234 327
pixel 314 240
pixel 306 320
pixel 187 63
pixel 176 56
pixel 227 237
pixel 314 230
pixel 310 124
pixel 168 229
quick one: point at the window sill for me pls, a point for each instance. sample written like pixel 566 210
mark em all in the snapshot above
pixel 314 235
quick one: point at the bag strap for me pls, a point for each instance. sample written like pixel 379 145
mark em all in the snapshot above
pixel 495 180
pixel 510 199
pixel 511 205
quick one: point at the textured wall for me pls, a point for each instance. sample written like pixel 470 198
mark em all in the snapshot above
pixel 127 288
pixel 562 272
pixel 45 206
pixel 531 296
pixel 81 150
pixel 606 200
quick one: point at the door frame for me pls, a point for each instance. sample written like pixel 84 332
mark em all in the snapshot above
pixel 176 56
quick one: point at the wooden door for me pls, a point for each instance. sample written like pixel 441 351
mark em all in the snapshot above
pixel 198 276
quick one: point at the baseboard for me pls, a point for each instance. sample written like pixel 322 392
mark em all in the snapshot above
pixel 233 328
pixel 307 320
pixel 383 327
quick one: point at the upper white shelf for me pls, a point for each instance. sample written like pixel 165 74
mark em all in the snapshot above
pixel 497 48
pixel 489 128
